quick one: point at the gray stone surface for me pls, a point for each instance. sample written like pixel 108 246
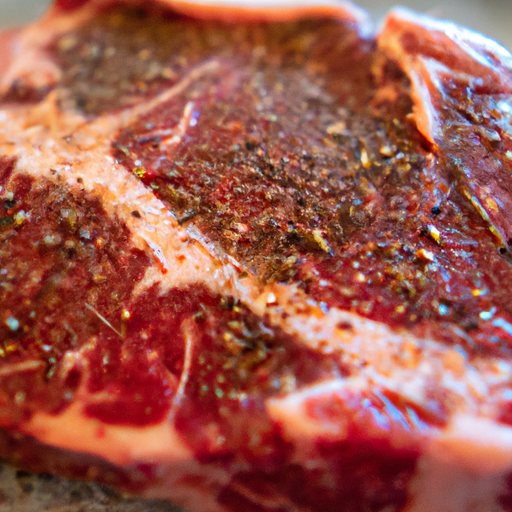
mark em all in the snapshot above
pixel 24 492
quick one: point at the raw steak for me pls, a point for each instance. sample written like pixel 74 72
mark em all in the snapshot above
pixel 258 259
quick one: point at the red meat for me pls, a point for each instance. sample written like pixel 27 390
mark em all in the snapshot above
pixel 258 258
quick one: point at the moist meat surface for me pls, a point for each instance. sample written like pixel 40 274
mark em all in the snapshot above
pixel 288 167
pixel 229 255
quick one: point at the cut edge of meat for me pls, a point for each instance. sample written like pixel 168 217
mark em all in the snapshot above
pixel 442 59
pixel 413 41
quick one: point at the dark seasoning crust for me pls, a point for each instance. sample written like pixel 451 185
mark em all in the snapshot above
pixel 295 175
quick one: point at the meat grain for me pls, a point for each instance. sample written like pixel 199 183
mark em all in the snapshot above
pixel 258 258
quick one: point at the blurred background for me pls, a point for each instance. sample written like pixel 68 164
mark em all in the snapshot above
pixel 491 17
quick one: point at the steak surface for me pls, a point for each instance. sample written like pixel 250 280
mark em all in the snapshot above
pixel 258 259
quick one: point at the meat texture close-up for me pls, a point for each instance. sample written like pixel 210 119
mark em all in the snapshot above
pixel 254 258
